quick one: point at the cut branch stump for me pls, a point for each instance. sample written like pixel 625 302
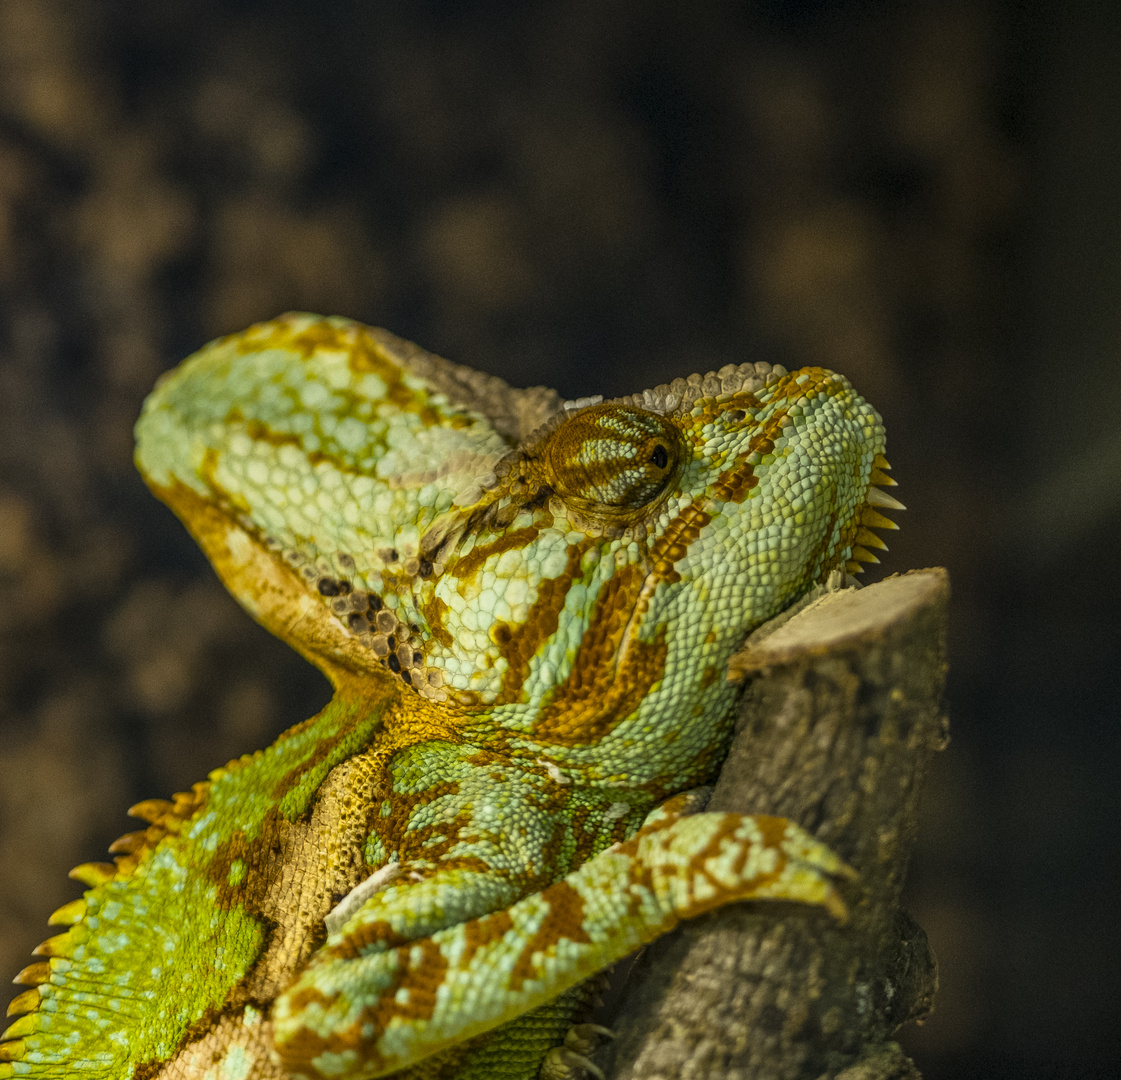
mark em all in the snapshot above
pixel 840 715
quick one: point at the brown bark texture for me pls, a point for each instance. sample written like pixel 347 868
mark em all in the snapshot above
pixel 840 716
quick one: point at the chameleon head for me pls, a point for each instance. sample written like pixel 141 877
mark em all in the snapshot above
pixel 652 534
pixel 569 579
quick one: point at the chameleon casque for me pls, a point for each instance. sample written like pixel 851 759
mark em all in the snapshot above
pixel 526 607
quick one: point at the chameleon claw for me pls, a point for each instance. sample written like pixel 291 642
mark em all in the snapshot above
pixel 572 1060
pixel 584 1038
pixel 811 864
pixel 563 1064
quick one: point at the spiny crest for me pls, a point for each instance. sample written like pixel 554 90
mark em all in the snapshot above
pixel 870 517
pixel 164 817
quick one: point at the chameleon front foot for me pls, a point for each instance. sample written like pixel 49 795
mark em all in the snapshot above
pixel 571 1061
pixel 360 1013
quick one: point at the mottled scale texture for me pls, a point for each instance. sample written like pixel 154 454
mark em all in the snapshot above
pixel 526 607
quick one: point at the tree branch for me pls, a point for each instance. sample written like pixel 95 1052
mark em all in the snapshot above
pixel 840 715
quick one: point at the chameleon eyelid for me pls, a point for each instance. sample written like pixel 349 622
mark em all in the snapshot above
pixel 601 458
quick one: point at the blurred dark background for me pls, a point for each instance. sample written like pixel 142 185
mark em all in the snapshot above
pixel 598 196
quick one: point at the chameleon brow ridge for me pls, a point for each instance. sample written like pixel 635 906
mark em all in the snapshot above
pixel 526 608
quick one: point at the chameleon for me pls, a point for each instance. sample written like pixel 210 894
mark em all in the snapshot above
pixel 525 607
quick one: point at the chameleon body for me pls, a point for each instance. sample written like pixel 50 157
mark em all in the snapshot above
pixel 525 607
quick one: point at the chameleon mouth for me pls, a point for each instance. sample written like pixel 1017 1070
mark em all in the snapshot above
pixel 870 516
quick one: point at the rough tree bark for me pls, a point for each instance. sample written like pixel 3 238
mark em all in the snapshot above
pixel 840 716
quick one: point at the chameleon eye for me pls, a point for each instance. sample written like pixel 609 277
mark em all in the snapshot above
pixel 614 457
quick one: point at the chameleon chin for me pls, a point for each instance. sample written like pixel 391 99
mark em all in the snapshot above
pixel 526 607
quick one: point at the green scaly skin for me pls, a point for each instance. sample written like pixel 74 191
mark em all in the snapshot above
pixel 526 609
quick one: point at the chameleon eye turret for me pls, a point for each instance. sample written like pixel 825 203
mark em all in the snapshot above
pixel 526 610
pixel 614 458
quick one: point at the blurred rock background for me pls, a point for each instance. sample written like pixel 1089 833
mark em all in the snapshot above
pixel 598 196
